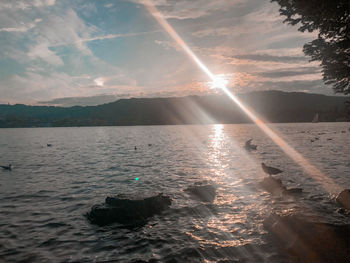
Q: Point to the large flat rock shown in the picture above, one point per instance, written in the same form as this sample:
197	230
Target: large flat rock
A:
204	193
307	241
128	211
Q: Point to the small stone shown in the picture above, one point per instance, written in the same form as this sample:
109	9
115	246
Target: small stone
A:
205	193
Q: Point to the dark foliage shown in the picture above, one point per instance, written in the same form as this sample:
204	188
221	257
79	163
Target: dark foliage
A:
331	19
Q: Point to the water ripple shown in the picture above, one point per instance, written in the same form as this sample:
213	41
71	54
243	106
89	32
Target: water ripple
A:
44	199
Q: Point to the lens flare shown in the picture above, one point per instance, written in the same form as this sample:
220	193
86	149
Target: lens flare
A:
100	81
219	82
327	183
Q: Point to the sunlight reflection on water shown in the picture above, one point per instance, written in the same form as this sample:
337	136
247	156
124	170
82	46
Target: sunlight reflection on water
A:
44	198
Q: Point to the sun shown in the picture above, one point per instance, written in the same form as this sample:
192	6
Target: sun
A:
100	81
219	82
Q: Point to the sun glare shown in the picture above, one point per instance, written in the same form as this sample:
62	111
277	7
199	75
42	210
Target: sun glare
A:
219	82
100	81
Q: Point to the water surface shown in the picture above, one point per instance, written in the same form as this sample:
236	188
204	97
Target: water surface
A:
44	199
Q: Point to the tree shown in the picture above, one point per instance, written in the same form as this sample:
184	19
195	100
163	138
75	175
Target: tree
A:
331	19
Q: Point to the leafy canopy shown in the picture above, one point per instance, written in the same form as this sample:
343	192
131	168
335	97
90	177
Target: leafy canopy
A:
331	19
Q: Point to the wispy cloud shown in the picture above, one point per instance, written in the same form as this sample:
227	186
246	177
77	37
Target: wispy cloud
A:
184	9
108	36
273	58
61	49
25	4
22	28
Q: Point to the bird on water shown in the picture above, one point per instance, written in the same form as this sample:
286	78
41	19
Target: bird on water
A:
270	170
248	146
8	167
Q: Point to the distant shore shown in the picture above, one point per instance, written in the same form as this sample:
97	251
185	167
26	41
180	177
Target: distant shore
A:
150	125
274	106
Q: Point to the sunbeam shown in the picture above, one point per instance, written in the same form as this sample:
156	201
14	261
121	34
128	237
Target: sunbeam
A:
328	184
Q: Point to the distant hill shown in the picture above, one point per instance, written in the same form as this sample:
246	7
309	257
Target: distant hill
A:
273	106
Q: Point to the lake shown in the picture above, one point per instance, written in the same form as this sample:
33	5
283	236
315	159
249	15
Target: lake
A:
44	199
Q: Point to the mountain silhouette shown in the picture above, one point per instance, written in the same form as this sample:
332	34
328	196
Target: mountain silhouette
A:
272	106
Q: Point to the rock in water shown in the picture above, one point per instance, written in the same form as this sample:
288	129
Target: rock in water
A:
272	185
205	193
292	191
344	199
307	241
127	211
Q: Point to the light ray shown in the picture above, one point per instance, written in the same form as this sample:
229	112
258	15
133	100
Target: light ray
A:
328	184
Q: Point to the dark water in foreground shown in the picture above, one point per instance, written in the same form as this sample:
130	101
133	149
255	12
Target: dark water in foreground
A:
44	199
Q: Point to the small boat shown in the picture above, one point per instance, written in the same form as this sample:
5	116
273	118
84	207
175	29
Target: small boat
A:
315	119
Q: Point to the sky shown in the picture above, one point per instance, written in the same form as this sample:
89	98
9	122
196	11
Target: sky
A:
89	52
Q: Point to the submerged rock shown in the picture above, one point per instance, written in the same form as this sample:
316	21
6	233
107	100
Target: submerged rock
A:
275	187
205	193
343	211
344	199
272	185
128	211
292	191
307	241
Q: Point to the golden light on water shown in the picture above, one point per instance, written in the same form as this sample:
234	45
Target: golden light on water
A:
216	142
218	133
219	82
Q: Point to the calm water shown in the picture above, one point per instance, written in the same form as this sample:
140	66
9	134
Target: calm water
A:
44	199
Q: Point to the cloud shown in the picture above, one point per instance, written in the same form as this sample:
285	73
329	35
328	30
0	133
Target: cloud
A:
222	31
100	81
126	92
22	28
298	85
33	86
46	86
168	44
111	36
25	4
42	34
84	101
291	72
42	51
193	9
63	30
109	5
60	49
272	58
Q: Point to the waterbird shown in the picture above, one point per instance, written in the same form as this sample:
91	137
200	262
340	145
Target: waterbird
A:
135	148
270	170
248	146
8	167
49	145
